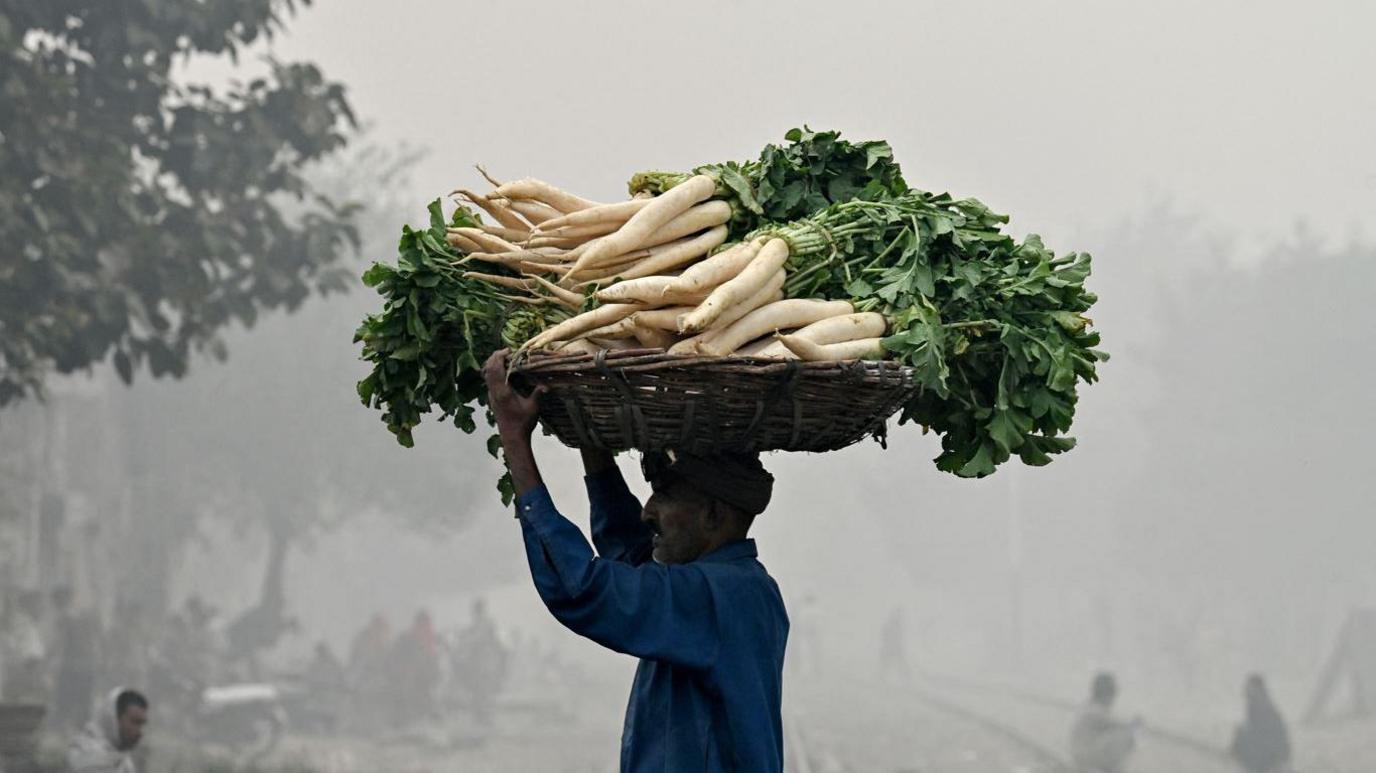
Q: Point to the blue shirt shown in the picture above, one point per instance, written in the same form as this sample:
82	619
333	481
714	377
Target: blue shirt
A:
710	634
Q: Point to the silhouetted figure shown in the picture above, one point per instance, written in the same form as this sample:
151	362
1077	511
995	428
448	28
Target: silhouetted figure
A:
414	664
367	670
116	727
480	663
77	654
1261	743
1100	743
325	673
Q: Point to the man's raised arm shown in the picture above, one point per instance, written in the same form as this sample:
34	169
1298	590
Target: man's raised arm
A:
617	531
650	611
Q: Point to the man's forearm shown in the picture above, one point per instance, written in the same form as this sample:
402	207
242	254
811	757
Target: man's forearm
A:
520	460
596	461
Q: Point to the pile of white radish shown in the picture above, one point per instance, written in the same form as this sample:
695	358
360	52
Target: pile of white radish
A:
661	272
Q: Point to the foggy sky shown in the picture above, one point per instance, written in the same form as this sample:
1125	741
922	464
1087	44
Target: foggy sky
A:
1078	118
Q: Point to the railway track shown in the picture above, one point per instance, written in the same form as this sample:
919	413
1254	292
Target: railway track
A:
941	723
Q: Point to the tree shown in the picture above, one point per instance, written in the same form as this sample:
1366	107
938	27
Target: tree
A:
141	216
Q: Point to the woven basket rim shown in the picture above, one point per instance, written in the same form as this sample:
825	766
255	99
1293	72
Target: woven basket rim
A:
544	362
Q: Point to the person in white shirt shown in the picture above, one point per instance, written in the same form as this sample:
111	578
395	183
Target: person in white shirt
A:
116	727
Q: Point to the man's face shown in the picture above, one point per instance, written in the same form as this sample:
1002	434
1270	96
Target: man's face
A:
131	724
677	514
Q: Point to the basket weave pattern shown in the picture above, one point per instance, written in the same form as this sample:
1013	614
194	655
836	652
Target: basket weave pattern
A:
649	400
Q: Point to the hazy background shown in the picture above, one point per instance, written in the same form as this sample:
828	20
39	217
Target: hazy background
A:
1216	518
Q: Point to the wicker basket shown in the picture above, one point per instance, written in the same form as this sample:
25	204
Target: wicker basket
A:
649	400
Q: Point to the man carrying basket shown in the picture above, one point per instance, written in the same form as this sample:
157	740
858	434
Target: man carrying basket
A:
675	583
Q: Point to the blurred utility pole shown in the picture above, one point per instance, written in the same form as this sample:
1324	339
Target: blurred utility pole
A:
1015	574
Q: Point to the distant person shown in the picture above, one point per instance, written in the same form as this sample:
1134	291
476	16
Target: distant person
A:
23	653
116	727
367	670
369	647
414	664
1261	743
479	663
325	673
327	688
77	654
1100	743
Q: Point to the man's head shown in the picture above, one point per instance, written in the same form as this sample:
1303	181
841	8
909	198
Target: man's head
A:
131	714
1104	689
702	502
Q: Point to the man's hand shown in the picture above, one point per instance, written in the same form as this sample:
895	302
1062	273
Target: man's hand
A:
516	415
516	419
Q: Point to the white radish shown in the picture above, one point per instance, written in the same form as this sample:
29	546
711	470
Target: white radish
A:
622	328
614	344
571	327
675	254
600	275
464	243
580	346
487	240
494	182
512	235
719	268
533	211
850	327
497	210
584	232
641	290
607	214
514	282
654	338
859	349
685	346
568	298
770	259
708	215
766	348
650	291
656	214
546	242
780	315
511	260
772	291
661	319
539	190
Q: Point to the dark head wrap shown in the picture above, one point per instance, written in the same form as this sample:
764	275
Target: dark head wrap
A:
738	479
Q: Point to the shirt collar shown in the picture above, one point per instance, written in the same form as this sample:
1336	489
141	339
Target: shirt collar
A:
731	551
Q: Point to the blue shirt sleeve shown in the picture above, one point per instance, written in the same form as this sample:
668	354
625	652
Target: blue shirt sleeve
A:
617	531
649	611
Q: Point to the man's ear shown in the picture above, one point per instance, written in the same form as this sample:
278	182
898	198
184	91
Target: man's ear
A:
716	515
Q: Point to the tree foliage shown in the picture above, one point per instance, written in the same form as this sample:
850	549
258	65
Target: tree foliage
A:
141	215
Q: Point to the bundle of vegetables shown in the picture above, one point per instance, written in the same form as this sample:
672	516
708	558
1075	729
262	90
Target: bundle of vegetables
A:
816	251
